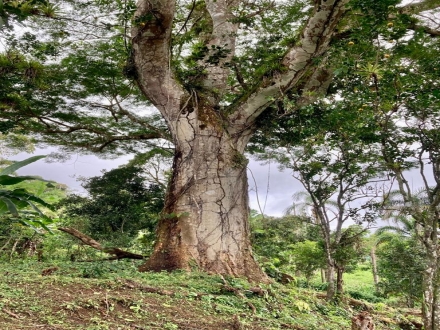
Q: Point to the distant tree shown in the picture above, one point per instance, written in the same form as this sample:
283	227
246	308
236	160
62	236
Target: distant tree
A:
401	262
273	237
348	253
307	257
335	159
416	145
118	205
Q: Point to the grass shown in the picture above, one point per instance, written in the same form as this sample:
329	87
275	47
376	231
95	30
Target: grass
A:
114	295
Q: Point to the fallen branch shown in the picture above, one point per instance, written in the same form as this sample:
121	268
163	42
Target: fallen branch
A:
133	285
118	253
10	313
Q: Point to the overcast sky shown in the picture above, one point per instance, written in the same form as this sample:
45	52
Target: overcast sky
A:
275	188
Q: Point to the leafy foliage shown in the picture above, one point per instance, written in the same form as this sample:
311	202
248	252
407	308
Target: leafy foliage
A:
351	248
401	262
119	204
17	204
274	241
308	257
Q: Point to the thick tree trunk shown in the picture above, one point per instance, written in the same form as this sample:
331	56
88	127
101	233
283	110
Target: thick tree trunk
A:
205	218
330	269
374	266
330	276
339	281
431	292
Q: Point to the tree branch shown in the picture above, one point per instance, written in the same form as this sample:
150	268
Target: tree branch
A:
118	253
221	47
151	40
313	43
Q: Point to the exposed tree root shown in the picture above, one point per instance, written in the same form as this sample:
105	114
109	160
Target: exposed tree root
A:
255	290
362	321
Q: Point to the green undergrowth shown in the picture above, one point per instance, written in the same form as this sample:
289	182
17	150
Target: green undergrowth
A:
114	295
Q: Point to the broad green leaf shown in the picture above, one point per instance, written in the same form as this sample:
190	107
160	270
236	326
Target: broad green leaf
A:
8	180
12	168
24	195
3	207
27	224
39	223
10	205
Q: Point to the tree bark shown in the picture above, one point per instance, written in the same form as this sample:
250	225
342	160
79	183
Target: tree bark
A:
339	281
374	266
431	292
207	204
330	276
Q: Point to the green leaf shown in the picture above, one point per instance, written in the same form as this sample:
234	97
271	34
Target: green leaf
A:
12	168
10	205
41	224
27	224
7	180
3	207
26	196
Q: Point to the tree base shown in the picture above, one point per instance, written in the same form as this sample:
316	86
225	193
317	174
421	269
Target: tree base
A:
168	261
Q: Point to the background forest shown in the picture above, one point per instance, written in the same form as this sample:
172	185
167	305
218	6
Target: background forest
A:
344	95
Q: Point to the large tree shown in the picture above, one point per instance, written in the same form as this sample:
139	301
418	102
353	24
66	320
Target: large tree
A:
206	207
211	68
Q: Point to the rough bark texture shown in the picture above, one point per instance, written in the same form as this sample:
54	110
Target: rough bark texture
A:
330	277
339	280
362	321
205	221
431	293
206	206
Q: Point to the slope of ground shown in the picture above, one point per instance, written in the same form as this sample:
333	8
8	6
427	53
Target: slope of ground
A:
105	295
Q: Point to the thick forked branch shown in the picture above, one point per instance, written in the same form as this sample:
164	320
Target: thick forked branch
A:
151	40
313	44
221	45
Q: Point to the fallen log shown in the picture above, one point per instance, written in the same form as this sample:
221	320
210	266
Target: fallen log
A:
87	240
